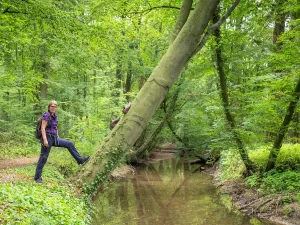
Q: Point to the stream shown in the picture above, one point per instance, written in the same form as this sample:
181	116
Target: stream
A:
167	192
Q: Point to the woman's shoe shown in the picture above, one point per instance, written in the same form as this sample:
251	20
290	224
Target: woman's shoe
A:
84	160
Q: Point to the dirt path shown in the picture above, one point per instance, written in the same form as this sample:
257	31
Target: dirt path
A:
13	163
5	164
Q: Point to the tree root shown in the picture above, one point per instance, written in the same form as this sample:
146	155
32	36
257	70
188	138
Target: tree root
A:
262	205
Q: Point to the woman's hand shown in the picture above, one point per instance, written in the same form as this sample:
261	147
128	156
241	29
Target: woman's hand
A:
46	143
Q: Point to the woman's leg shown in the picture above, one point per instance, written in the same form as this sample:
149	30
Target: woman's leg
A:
45	151
70	146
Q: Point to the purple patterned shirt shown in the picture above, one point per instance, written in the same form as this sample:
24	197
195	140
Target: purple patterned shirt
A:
51	128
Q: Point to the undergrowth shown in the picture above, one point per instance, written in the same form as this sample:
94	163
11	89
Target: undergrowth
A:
283	179
54	202
29	203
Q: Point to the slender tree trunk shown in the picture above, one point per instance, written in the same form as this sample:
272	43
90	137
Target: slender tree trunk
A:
142	82
225	99
279	25
94	85
45	67
128	81
171	128
116	92
283	129
154	91
85	81
118	77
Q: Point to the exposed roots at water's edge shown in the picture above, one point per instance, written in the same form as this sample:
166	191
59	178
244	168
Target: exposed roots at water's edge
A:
272	207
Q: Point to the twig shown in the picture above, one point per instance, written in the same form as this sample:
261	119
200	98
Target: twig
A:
154	7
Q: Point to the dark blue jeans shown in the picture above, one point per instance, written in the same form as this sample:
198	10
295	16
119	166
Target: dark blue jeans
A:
45	151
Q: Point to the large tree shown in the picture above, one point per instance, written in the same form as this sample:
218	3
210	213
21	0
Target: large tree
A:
188	42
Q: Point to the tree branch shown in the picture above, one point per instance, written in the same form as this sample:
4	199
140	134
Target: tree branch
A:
153	8
13	12
215	26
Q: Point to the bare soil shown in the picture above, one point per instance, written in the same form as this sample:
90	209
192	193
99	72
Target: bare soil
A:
13	163
5	164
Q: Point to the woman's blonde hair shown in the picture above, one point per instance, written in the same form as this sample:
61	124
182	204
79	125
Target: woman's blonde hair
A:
52	102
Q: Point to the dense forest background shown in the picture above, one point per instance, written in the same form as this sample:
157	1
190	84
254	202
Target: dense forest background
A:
94	56
234	104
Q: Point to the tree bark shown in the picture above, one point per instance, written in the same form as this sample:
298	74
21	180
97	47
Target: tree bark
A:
225	99
150	142
128	130
182	17
283	129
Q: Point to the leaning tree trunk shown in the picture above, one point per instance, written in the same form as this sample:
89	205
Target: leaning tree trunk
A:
154	91
146	147
225	99
283	129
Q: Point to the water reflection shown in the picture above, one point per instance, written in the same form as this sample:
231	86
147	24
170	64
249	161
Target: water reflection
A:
169	192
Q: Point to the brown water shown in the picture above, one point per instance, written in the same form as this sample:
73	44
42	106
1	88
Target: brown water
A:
168	192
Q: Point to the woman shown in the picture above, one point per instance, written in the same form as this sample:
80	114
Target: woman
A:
50	138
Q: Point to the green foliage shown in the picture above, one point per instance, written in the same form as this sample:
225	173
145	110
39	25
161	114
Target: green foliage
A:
15	149
28	203
280	180
287	210
298	198
260	156
288	158
254	180
285	182
77	49
231	165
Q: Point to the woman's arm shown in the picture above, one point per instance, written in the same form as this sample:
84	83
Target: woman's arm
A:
43	130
